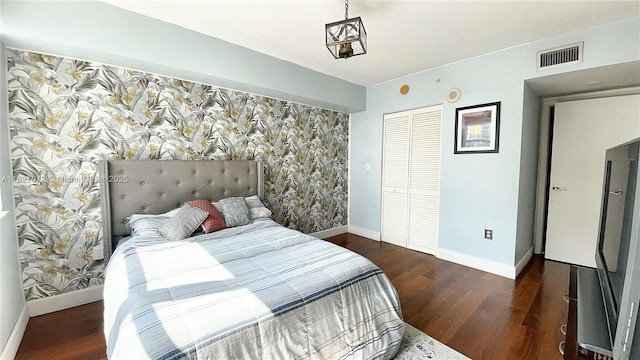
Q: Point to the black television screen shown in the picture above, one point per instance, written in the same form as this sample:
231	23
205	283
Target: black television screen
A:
621	171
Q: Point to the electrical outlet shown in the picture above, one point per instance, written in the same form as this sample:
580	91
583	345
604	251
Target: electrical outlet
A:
367	167
488	234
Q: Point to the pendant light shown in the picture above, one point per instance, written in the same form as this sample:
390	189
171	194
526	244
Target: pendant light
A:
346	38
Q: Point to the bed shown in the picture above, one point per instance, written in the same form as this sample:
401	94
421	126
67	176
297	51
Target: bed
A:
254	291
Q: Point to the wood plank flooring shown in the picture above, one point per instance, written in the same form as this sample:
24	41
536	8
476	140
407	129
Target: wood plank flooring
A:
481	315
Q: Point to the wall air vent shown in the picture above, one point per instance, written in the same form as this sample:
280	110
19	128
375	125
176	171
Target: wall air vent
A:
560	56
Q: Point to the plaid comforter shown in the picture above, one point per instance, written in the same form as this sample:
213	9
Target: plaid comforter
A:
261	291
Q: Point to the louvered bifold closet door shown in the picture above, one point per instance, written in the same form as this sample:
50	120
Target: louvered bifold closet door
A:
424	179
395	165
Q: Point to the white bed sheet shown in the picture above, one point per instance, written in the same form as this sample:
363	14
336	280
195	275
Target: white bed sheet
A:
259	291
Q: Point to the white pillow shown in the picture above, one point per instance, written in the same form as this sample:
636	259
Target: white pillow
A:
148	224
256	207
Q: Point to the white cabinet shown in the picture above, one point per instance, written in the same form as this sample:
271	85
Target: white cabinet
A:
411	178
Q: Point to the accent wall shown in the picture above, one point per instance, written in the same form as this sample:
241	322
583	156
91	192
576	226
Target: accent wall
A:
66	114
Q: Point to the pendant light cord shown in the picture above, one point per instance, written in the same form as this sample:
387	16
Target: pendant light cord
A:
346	9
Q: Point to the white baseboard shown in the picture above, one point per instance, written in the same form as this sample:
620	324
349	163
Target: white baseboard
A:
330	232
524	261
13	342
477	263
422	249
364	233
65	301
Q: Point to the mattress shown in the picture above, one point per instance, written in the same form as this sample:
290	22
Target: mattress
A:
259	291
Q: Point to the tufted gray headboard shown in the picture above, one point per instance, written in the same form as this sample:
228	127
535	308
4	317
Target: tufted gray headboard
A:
157	186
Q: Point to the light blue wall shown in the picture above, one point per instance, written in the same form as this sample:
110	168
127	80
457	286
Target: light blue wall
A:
528	172
101	32
479	190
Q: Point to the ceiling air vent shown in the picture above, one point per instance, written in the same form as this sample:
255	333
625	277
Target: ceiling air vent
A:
560	56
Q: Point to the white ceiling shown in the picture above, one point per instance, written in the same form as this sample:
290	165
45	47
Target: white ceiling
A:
404	37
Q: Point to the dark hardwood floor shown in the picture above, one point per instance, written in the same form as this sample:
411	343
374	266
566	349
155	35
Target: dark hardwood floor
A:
481	315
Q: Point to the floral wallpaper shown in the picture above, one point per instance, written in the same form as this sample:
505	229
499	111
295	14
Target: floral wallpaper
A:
65	114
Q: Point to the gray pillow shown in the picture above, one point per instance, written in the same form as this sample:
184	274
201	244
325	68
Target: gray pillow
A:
184	223
235	211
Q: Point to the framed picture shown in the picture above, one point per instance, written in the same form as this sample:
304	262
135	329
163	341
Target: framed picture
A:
477	129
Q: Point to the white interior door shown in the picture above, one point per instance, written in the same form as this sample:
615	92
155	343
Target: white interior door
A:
583	130
424	179
395	165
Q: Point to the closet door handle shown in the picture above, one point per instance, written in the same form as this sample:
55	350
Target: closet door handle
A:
561	347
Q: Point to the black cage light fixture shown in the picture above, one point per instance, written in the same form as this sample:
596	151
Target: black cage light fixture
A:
346	38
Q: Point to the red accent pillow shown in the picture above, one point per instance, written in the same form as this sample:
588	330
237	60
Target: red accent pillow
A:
215	220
